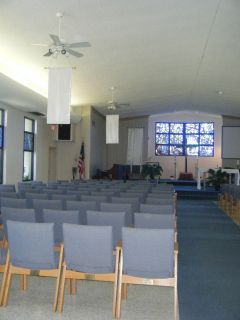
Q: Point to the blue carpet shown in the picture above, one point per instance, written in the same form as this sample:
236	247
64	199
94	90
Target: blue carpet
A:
209	263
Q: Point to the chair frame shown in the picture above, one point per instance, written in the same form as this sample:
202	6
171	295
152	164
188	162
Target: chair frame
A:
10	270
125	279
69	275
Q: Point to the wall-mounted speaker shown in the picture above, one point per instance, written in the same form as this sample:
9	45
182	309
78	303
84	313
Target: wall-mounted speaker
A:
64	132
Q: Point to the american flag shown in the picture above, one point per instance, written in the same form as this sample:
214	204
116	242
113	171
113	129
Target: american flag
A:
81	166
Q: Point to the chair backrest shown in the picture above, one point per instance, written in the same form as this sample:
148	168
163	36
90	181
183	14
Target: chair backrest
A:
154	221
14	203
82	207
115	219
7	188
58	217
40	204
31	245
4	194
33	195
88	248
141	196
133	200
16	214
159	201
98	199
148	253
157	208
119	207
160	195
64	198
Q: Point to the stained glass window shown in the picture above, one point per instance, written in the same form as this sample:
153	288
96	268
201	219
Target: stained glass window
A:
184	139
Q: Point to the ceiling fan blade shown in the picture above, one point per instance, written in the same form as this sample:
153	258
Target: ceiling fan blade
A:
75	53
48	54
79	45
123	104
55	39
40	44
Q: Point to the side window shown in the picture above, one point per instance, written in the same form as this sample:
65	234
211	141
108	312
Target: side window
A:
28	149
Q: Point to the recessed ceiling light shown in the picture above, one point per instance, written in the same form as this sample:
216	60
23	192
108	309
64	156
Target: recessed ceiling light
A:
220	92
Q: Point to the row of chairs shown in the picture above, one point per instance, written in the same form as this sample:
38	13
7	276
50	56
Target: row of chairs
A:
93	217
128	204
147	256
229	201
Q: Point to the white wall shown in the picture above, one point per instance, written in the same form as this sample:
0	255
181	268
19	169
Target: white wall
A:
168	162
231	121
117	153
68	151
98	142
13	146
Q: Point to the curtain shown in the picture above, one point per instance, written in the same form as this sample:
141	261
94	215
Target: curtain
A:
112	129
59	95
135	146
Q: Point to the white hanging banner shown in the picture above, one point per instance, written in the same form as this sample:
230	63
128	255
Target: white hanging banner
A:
135	146
112	128
59	95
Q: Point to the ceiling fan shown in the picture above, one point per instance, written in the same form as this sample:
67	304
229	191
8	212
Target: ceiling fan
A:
60	46
113	104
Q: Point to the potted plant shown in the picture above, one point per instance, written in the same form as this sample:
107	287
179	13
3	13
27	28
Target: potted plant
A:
216	178
151	170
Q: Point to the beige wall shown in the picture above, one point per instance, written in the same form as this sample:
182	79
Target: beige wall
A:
230	121
13	146
98	142
168	162
117	153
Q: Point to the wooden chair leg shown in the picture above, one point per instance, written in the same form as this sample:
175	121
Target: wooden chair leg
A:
23	282
176	311
56	296
114	307
74	287
119	293
125	291
62	289
69	281
7	287
4	279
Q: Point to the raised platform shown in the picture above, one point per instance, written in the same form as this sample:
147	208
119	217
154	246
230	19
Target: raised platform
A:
187	189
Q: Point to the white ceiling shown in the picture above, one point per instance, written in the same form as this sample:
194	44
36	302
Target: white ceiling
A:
162	55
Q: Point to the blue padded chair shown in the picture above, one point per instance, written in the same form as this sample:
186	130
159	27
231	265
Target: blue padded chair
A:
32	195
58	217
7	188
153	200
115	219
4	194
89	256
98	199
31	251
156	208
154	221
14	203
16	214
64	198
82	207
148	257
40	204
133	200
119	207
